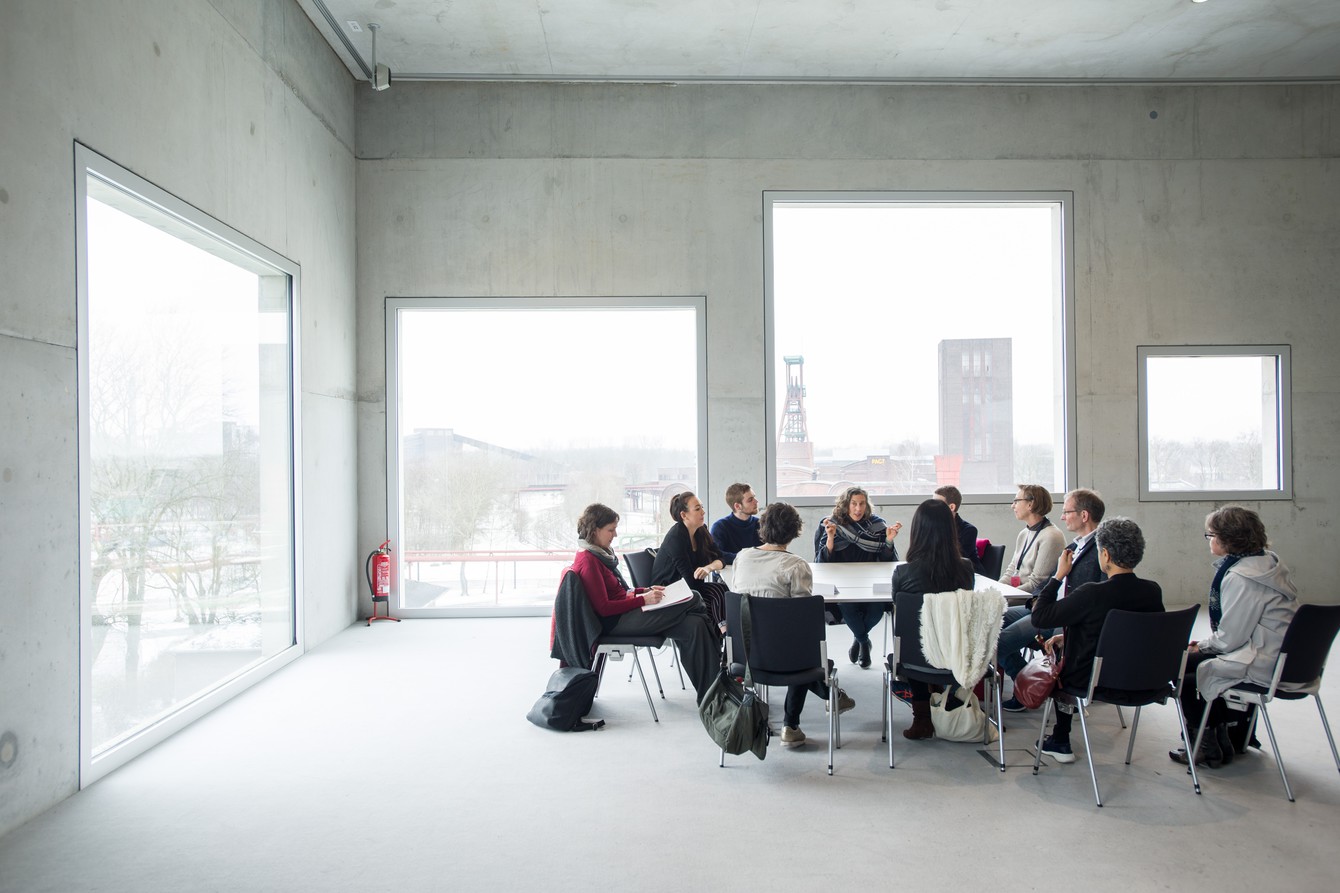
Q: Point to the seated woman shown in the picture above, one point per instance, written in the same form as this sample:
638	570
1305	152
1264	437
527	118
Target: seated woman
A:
620	608
1038	545
851	533
769	571
1121	545
933	565
1252	602
687	553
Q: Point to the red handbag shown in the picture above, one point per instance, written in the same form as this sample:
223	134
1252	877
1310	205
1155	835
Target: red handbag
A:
1037	680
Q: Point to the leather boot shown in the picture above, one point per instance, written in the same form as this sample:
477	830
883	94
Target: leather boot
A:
921	727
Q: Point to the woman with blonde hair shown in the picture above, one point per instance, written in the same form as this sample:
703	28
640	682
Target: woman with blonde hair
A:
1038	545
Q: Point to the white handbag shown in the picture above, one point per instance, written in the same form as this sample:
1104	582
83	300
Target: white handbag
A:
966	722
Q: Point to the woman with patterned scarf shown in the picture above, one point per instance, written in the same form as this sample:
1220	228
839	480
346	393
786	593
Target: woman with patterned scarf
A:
1252	602
852	533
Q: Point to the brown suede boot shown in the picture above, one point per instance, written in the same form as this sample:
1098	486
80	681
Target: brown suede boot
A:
921	727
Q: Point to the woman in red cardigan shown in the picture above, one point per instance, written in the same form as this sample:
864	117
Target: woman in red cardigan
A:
621	609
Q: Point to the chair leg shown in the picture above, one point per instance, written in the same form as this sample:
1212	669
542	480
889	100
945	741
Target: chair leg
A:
1135	726
1121	718
600	672
997	691
637	665
1181	721
1327	726
678	663
651	656
888	712
1088	753
1042	730
1274	746
887	708
832	720
722	763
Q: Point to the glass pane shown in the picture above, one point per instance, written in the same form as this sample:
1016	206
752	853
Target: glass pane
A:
511	421
190	484
918	345
1213	423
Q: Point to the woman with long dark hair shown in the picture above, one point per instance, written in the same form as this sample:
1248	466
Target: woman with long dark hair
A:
688	553
933	565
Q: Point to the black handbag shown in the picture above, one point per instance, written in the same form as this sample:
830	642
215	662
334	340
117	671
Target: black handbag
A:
732	714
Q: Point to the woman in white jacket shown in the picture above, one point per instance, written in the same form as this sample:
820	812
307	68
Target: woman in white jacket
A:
1252	602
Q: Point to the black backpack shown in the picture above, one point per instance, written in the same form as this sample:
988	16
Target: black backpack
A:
571	693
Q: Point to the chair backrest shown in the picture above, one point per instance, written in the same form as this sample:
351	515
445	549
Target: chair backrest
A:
993	559
639	566
785	634
1142	650
1307	642
907	629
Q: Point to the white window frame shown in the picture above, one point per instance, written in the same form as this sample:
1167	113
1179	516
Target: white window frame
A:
1066	272
195	226
394	482
1284	420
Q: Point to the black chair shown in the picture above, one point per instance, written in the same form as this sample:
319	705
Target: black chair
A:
639	566
993	560
908	662
615	647
1140	660
786	647
639	572
1300	665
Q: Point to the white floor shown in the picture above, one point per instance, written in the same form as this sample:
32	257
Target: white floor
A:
397	757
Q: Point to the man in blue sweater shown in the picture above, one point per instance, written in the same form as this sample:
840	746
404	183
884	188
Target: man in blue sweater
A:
738	530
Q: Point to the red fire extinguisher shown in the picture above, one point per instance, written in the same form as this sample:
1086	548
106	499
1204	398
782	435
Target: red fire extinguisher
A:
378	571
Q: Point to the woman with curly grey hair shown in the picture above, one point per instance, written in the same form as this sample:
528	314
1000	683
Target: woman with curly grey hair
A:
1121	546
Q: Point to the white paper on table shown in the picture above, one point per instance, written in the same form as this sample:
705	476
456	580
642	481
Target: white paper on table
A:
885	588
824	589
675	593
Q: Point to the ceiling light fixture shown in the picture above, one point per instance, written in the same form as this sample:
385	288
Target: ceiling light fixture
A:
381	75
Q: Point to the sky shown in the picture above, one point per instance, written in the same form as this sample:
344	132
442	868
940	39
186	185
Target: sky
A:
635	381
866	294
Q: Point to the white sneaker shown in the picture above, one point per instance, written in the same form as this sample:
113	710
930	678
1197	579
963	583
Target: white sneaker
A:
792	737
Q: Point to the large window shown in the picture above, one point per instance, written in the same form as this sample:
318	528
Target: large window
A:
186	456
507	417
1214	422
916	340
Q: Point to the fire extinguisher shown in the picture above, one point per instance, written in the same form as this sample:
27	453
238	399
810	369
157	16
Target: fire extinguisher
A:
378	571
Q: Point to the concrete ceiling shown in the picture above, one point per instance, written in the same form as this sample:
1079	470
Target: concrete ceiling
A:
838	40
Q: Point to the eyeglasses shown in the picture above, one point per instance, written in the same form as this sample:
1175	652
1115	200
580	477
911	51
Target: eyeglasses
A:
1065	512
1209	536
1021	499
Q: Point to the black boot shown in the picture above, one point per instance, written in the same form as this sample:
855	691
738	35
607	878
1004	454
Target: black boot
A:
865	654
1225	745
854	652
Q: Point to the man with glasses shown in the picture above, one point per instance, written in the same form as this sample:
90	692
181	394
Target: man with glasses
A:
1081	514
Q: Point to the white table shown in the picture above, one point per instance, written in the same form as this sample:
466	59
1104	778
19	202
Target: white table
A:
871	581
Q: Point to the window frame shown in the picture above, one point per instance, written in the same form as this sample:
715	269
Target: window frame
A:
394	482
192	225
1283	419
1066	276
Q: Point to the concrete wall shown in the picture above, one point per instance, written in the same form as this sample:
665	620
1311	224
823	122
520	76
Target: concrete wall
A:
241	109
1202	214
